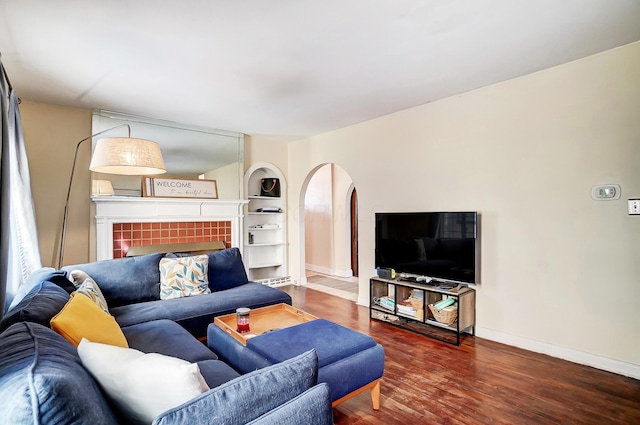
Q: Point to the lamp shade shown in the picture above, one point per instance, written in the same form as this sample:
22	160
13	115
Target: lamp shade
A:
127	156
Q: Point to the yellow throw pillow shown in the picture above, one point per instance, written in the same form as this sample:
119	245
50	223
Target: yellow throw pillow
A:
82	318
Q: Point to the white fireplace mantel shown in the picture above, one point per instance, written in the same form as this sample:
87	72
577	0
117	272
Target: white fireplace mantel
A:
125	209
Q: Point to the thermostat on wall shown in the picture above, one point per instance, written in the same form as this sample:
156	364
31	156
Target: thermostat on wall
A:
606	192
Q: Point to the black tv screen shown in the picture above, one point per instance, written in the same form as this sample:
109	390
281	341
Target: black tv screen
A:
440	245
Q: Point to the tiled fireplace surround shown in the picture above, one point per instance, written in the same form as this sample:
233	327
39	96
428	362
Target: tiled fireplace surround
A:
122	222
126	235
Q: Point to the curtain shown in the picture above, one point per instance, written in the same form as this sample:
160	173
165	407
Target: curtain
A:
19	251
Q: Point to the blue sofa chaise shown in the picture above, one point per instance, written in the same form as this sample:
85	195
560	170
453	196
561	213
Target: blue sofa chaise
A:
43	380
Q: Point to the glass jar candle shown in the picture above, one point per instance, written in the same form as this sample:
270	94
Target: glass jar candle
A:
242	316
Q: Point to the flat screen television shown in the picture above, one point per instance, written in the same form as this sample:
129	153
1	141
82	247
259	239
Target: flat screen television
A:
440	245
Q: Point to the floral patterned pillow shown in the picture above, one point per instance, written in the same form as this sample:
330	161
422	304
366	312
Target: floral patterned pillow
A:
184	277
89	288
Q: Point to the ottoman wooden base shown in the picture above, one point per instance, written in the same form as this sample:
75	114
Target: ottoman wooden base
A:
375	394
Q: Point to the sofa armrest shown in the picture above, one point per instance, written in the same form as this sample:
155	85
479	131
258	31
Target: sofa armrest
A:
247	397
313	407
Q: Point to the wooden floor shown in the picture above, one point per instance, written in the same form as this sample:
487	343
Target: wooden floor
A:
481	382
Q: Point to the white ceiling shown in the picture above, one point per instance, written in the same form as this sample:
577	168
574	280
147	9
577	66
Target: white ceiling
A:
291	68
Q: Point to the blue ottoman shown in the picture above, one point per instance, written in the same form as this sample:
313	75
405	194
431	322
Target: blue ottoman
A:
349	361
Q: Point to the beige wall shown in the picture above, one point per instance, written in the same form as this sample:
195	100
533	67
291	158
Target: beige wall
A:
560	271
51	133
265	149
227	180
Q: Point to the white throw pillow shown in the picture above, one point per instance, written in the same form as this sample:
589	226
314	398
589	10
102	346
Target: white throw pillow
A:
142	385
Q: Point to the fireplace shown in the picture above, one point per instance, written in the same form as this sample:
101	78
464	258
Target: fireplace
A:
124	222
128	235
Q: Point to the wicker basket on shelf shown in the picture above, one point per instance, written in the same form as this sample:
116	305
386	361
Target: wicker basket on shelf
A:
418	306
446	315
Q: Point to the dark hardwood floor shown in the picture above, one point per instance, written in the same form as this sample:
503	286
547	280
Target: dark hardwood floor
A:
480	382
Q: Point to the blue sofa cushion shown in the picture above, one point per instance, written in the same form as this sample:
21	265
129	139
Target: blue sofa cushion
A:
196	313
125	280
226	269
39	305
311	407
332	342
42	381
131	280
45	273
216	372
168	338
248	397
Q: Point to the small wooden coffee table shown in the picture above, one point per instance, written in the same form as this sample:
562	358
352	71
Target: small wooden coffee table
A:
262	320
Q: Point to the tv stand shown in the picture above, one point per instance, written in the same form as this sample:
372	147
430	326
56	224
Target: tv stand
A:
396	301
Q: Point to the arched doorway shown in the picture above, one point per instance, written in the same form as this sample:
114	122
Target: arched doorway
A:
330	229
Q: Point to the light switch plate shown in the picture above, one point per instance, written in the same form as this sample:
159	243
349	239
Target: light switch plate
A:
634	206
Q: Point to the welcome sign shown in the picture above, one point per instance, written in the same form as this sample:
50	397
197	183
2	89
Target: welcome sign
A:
179	188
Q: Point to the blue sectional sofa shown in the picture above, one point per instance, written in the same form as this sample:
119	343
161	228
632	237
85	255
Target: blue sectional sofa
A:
43	379
132	289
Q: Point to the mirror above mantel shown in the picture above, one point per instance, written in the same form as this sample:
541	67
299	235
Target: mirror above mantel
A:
189	152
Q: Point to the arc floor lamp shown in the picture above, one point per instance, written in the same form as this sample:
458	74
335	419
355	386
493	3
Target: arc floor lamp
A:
116	155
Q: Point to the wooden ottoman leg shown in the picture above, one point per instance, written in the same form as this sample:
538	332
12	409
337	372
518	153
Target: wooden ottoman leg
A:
375	395
374	386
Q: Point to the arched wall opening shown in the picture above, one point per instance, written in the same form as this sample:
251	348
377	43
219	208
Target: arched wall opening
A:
329	230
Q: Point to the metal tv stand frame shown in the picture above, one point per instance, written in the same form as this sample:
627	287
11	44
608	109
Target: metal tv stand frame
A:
423	321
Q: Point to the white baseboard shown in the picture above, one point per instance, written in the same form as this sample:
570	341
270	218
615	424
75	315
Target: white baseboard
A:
575	356
328	271
620	367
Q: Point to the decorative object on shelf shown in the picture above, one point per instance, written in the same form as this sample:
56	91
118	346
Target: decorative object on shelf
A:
406	310
179	188
417	302
444	303
266	226
270	186
386	302
115	155
446	315
269	210
102	188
